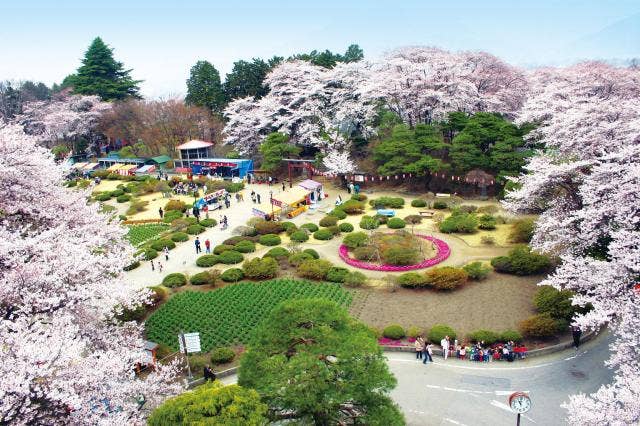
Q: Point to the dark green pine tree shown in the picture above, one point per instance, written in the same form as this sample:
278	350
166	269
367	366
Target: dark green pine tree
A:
100	74
204	87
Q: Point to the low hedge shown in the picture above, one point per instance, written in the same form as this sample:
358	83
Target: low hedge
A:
160	244
203	278
477	271
338	213
327	221
245	247
439	331
207	260
365	253
299	236
394	331
277	253
390	202
368	222
418	203
150	253
270	240
440	205
260	269
174	280
232	275
486	336
396	223
521	261
487	222
412	280
179	237
268	227
355	279
337	274
312	253
414	331
352	207
172	215
446	278
465	223
510	335
231	257
132	266
221	248
323	234
345	227
103	197
311	227
209	223
222	355
195	229
296	259
123	198
540	326
315	269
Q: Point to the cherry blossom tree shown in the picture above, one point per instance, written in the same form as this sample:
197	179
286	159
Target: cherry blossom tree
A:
585	185
64	359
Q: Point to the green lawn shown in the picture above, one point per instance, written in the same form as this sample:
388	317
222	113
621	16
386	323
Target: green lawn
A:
227	316
138	234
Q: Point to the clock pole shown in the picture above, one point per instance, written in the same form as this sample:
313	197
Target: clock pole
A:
518	420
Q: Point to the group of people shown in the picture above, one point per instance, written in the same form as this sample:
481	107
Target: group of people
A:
255	197
353	189
477	352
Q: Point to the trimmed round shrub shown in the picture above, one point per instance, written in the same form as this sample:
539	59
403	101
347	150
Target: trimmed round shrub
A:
355	279
207	260
117	192
487	222
345	227
150	253
323	234
521	261
209	223
219	249
123	198
260	269
327	221
539	326
461	222
132	266
400	256
446	278
396	223
357	239
231	257
556	303
510	335
297	258
394	331
311	227
175	205
174	280
172	215
195	229
418	203
222	355
439	331
245	231
299	236
486	336
359	197
179	237
414	331
365	253
232	275
312	253
315	269
288	225
203	278
291	230
245	247
336	274
233	240
382	220
269	227
105	196
352	207
277	253
412	280
477	271
440	205
335	230
337	213
160	244
270	240
368	222
413	219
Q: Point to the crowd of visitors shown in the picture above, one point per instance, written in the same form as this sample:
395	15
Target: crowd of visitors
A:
479	352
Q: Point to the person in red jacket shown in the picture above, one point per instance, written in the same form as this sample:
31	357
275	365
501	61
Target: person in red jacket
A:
207	246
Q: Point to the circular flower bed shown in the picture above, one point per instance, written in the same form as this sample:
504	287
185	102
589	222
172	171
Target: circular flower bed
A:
442	252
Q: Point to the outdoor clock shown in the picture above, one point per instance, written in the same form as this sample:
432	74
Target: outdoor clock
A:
520	402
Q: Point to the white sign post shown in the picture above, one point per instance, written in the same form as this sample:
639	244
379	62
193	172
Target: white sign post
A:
189	343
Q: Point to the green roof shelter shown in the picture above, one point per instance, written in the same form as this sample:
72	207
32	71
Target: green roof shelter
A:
160	160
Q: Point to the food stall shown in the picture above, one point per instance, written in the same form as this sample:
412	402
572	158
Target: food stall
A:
213	200
293	201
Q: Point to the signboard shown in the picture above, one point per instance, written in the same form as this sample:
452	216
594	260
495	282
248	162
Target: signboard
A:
259	213
213	164
358	178
276	202
192	341
216	194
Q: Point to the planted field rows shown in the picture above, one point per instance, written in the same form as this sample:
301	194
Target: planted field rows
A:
139	234
228	316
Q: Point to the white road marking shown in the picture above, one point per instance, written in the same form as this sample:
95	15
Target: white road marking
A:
446	419
454	365
505	407
575	356
496	392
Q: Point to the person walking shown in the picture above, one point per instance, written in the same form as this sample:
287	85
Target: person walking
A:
253	196
159	266
283	187
153	267
427	352
349	188
208	374
161	212
419	345
207	246
197	244
445	347
576	332
258	197
165	250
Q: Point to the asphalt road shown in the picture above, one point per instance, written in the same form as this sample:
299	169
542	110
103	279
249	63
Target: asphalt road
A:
473	394
465	393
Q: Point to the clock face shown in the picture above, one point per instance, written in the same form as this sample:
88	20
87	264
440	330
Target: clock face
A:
521	403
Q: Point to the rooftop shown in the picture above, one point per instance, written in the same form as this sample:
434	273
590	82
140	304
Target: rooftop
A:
194	144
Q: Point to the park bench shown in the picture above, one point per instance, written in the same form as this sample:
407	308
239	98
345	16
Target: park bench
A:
386	212
426	213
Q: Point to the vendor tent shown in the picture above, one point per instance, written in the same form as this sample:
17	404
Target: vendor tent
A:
127	169
90	166
78	166
149	168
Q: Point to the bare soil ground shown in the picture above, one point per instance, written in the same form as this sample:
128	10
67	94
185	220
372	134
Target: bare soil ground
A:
498	303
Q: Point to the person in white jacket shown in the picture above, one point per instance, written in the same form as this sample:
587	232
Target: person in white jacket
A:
445	347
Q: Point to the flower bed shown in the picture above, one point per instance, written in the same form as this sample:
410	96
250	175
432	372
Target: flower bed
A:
384	341
442	252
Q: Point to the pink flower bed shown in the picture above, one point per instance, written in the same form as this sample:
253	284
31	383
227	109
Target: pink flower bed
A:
442	252
385	341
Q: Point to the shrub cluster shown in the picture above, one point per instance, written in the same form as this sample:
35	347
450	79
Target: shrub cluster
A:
207	260
299	236
323	234
356	239
195	229
209	223
521	261
477	271
327	221
459	222
418	203
446	278
230	257
221	248
175	205
311	227
439	331
394	331
396	223
160	244
368	222
413	219
440	205
351	207
367	253
311	252
245	247
204	278
179	237
232	275
390	202
172	215
267	227
337	274
355	279
316	269
487	222
540	326
222	355
296	259
338	213
522	231
260	269
490	337
270	240
174	280
277	253
345	227
359	197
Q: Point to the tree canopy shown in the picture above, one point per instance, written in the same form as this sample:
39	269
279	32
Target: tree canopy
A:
246	78
312	362
274	148
100	74
204	88
212	404
328	59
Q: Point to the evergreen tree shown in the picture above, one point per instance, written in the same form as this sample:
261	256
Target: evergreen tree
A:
246	78
354	53
100	74
204	87
274	148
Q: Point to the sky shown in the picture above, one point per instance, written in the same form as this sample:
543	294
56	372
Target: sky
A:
44	40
